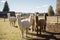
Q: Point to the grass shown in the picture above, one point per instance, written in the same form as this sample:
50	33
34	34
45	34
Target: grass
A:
8	32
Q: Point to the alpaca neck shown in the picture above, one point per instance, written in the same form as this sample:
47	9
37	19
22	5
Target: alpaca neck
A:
30	20
19	21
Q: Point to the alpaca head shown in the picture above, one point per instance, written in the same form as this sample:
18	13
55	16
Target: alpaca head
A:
19	16
19	19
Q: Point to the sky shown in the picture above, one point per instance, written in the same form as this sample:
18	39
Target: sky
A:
29	6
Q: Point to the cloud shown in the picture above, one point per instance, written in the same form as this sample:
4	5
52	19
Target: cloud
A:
45	5
42	8
2	1
38	7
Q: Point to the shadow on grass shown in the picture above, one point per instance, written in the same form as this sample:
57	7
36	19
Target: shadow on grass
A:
53	33
16	26
47	37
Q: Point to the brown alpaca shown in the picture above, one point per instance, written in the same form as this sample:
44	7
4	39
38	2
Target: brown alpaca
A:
39	23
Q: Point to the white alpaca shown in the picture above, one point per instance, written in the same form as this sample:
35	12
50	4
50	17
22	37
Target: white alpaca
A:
24	24
12	19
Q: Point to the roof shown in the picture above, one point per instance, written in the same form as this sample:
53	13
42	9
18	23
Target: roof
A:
6	12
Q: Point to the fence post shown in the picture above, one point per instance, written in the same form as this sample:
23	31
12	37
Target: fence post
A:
4	18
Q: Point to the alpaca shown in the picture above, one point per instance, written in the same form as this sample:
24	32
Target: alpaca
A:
39	23
12	19
24	24
42	25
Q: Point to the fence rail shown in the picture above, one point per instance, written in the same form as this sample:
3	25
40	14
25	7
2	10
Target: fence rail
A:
51	19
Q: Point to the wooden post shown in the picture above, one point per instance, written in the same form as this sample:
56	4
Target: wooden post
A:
4	18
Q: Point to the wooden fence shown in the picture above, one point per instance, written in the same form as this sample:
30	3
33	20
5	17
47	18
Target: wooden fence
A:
51	19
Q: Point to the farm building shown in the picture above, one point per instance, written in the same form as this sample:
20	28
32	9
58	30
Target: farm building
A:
4	14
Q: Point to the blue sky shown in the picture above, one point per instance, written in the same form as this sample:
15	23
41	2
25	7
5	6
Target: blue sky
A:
29	5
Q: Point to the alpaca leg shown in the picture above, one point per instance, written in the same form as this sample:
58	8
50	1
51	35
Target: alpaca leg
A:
26	32
22	33
10	23
35	28
44	27
14	24
40	29
32	27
